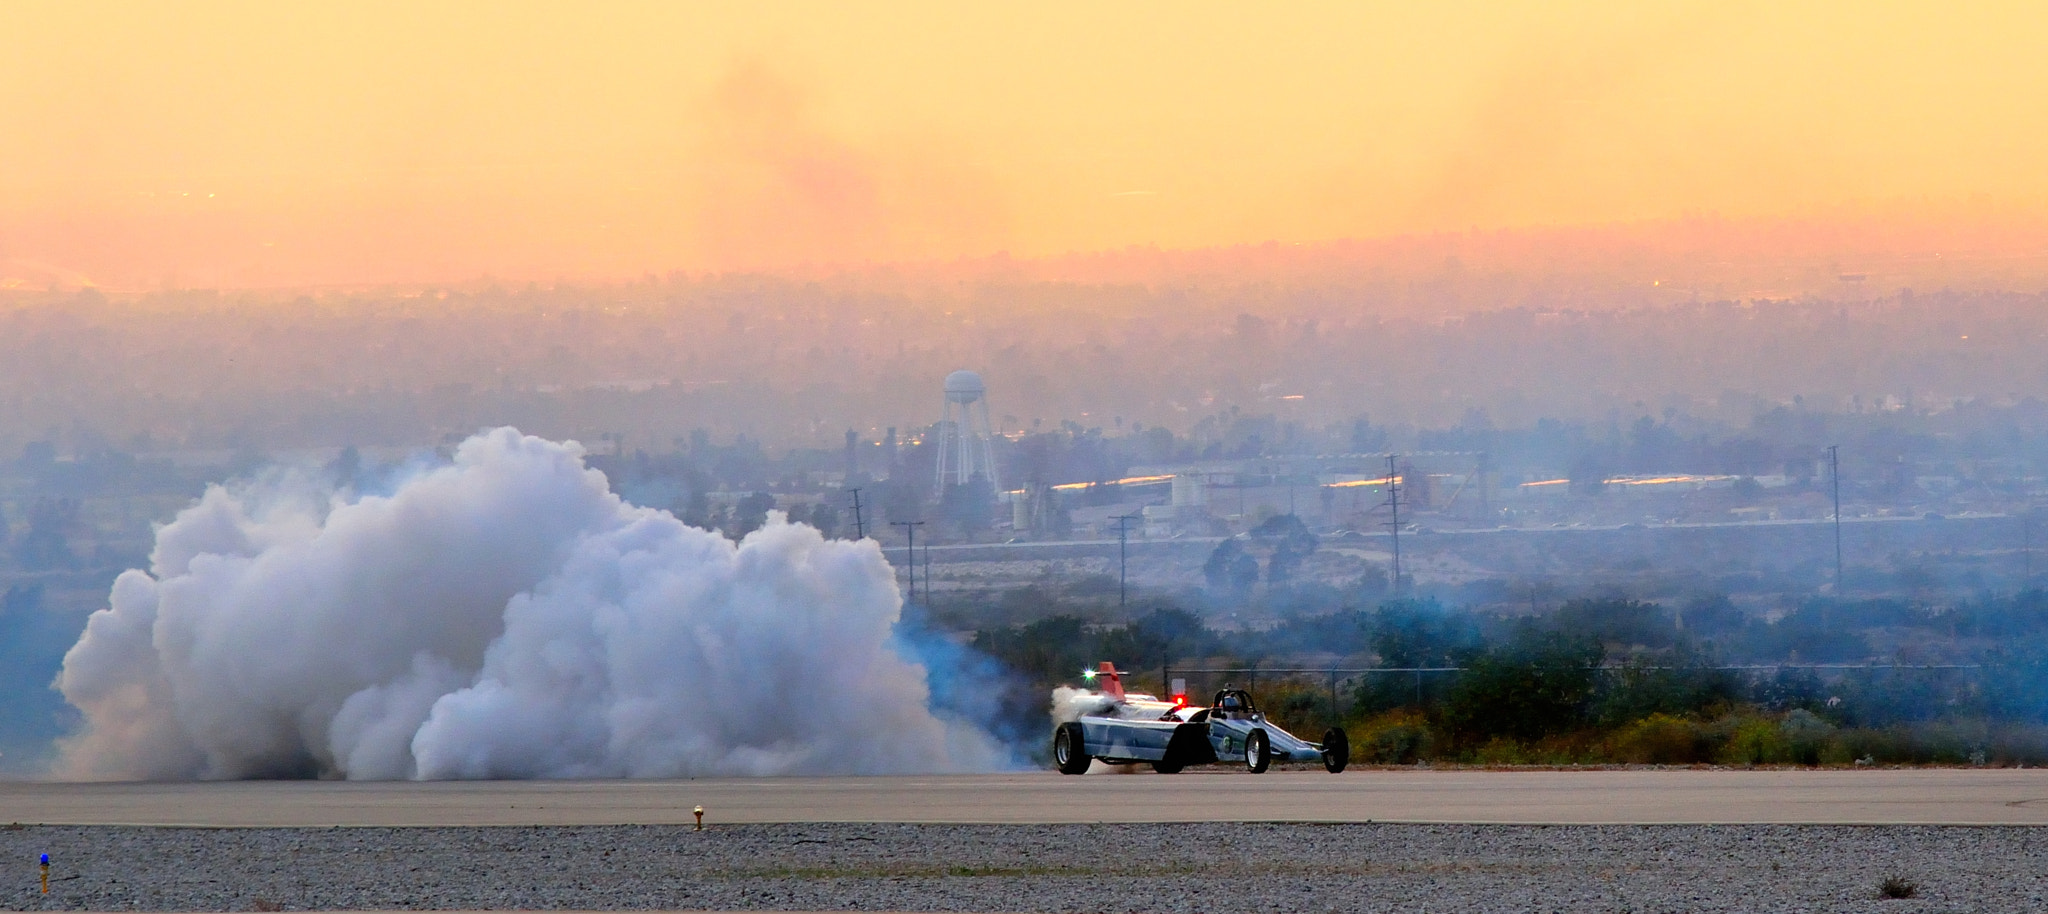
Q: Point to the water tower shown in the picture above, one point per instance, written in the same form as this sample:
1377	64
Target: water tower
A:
965	436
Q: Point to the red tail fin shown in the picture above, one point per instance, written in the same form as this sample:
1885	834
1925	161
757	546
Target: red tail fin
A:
1109	681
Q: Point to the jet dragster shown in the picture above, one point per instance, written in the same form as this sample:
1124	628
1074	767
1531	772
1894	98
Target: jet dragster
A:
1126	728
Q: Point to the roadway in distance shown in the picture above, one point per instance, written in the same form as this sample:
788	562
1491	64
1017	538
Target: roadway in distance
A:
1833	796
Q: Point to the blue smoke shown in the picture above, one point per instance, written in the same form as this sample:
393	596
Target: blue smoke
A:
965	683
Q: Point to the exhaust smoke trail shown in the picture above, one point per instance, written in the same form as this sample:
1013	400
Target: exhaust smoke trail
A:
1070	704
502	616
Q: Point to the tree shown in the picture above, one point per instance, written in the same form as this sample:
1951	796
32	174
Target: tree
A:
1157	637
1709	614
1683	683
1291	544
901	501
1422	633
1230	567
47	543
1216	570
971	507
1049	650
1365	438
1538	684
694	510
751	512
797	514
1414	634
825	517
1244	573
1618	622
1372	585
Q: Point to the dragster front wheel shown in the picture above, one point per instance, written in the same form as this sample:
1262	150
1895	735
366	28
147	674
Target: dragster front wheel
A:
1257	753
1336	750
1069	749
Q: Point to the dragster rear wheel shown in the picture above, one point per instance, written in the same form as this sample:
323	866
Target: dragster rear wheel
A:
1336	750
1189	745
1257	752
1069	749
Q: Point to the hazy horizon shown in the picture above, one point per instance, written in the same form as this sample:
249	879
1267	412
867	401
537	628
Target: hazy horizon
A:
239	145
461	389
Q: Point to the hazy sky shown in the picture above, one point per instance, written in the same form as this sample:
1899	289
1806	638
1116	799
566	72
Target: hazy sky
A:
284	143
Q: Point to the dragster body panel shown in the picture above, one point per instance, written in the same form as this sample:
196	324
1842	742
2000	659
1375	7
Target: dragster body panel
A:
1119	740
1227	738
1135	740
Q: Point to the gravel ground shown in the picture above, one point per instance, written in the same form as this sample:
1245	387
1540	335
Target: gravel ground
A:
1026	868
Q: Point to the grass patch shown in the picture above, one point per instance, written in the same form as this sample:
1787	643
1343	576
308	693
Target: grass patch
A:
1897	887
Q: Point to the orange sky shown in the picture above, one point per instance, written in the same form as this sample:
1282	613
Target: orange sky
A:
265	144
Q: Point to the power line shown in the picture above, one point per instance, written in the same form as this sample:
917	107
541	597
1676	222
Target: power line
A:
1835	482
1394	505
910	551
1122	521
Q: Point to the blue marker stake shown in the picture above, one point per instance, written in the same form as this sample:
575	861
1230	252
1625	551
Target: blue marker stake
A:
46	874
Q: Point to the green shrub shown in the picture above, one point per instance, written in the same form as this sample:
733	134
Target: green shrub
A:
1536	685
1660	739
1806	735
1501	750
1754	741
1395	738
1565	749
1619	622
1298	706
1897	887
2019	744
1939	743
1678	685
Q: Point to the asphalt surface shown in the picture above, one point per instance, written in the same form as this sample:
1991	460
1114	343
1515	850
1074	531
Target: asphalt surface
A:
1253	868
1779	797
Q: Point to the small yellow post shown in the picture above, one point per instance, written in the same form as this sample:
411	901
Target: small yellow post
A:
46	874
700	818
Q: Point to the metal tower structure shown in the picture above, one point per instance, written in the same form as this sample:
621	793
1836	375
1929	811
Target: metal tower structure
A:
966	438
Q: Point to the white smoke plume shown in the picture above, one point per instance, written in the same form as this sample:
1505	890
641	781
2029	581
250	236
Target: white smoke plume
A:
1069	704
501	616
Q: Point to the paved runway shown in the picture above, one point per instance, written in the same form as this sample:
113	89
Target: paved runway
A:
1906	796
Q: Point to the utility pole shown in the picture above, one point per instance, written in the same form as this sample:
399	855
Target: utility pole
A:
910	551
1394	505
860	530
1122	521
927	570
1835	482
